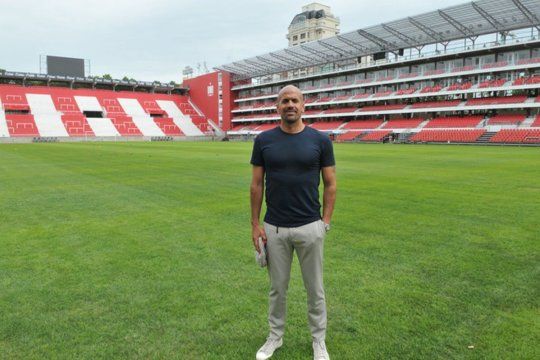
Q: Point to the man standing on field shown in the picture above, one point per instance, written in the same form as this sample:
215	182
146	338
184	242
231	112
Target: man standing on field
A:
292	157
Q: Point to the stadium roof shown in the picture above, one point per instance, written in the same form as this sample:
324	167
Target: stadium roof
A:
468	20
29	77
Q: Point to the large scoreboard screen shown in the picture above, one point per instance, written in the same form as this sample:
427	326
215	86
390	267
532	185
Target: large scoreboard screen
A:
58	65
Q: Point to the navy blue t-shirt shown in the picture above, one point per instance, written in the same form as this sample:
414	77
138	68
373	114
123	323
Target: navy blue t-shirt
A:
292	164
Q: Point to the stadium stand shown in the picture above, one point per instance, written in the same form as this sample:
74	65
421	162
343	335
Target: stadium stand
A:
340	110
431	89
506	119
408	91
495	65
48	120
362	124
323	125
382	94
21	125
383	107
403	123
265	127
360	96
432	104
13	98
124	125
349	135
454	122
445	78
492	83
76	125
531	80
458	136
529	61
517	136
497	100
375	136
463	68
459	86
536	122
168	126
341	98
456	84
62	112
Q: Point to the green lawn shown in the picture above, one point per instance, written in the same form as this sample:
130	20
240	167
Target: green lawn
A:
142	251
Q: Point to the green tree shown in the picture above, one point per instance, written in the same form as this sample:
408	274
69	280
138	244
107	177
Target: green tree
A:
107	77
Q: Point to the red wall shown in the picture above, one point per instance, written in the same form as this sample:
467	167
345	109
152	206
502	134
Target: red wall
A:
203	91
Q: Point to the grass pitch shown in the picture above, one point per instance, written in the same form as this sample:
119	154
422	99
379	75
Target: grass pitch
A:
142	250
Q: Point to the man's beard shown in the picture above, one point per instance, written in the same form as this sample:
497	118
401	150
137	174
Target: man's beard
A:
291	120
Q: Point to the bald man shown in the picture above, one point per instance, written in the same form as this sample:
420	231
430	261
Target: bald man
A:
292	158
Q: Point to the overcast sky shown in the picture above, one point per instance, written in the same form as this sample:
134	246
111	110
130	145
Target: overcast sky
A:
155	39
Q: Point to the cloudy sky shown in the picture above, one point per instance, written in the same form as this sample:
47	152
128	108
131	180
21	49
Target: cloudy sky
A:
155	39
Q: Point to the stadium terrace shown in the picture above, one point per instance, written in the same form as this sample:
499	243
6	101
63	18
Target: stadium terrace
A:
464	74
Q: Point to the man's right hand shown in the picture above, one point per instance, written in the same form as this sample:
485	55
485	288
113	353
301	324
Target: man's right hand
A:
257	232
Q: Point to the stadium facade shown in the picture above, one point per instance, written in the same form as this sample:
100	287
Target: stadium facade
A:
465	74
468	73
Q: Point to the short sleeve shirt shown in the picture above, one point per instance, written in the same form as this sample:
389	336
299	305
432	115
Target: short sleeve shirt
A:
292	164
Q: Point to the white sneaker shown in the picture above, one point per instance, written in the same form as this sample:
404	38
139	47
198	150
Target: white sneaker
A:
267	350
319	351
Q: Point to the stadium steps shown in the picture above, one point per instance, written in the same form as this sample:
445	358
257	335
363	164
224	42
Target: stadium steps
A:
423	123
340	127
482	124
182	121
217	130
4	131
102	127
140	118
99	126
527	122
88	103
48	120
486	137
404	137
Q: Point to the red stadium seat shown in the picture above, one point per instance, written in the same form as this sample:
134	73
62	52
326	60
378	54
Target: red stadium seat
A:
76	124
21	125
375	135
507	119
349	135
454	122
403	123
536	122
363	124
516	99
383	107
434	104
457	136
517	136
326	125
340	110
168	126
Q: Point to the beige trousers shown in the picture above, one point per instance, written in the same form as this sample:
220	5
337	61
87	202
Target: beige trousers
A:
308	241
